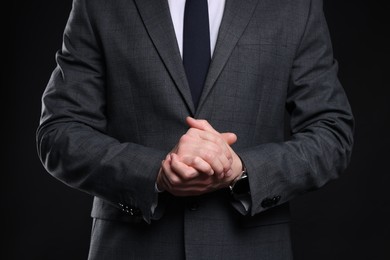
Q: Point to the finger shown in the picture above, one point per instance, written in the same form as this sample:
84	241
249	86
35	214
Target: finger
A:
166	184
229	138
199	164
162	176
209	136
194	141
200	124
219	163
170	175
216	139
165	163
195	186
219	158
209	147
184	171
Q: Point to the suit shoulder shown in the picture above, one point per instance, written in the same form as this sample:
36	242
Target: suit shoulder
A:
105	11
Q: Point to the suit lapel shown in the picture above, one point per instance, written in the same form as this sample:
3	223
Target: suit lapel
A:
235	19
158	23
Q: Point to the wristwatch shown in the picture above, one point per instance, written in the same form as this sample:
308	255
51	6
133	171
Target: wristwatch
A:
240	186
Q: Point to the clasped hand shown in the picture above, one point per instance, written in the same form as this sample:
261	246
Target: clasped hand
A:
201	162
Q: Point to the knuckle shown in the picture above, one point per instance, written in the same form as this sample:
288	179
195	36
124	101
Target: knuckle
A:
218	149
191	131
184	138
217	167
229	155
196	161
221	143
212	137
209	156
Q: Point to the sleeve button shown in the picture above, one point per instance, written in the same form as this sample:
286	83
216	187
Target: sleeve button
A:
276	199
266	203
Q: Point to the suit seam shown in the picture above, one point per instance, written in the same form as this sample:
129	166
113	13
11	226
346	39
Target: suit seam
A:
304	29
92	28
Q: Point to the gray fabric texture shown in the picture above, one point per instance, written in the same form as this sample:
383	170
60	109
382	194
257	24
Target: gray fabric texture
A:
116	104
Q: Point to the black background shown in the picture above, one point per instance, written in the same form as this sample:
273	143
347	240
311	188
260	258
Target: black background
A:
44	219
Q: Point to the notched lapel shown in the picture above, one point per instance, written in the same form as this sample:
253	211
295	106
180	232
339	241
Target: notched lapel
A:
157	20
236	17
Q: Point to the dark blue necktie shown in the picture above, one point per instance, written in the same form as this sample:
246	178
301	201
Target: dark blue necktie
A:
196	45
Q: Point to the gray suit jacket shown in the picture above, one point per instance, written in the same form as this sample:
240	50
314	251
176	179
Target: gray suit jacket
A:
116	105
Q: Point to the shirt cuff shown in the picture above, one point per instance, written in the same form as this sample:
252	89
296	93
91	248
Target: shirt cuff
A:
243	204
155	202
156	189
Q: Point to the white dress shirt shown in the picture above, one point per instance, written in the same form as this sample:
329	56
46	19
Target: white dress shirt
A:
216	8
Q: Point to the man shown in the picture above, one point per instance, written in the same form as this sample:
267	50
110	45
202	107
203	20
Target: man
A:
187	158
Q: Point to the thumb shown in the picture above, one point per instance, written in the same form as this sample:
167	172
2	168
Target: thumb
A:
200	124
229	138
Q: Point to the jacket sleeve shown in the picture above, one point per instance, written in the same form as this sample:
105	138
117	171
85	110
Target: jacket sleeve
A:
71	138
321	123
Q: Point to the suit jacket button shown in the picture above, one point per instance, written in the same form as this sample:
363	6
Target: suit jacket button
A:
266	203
134	212
276	199
194	206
